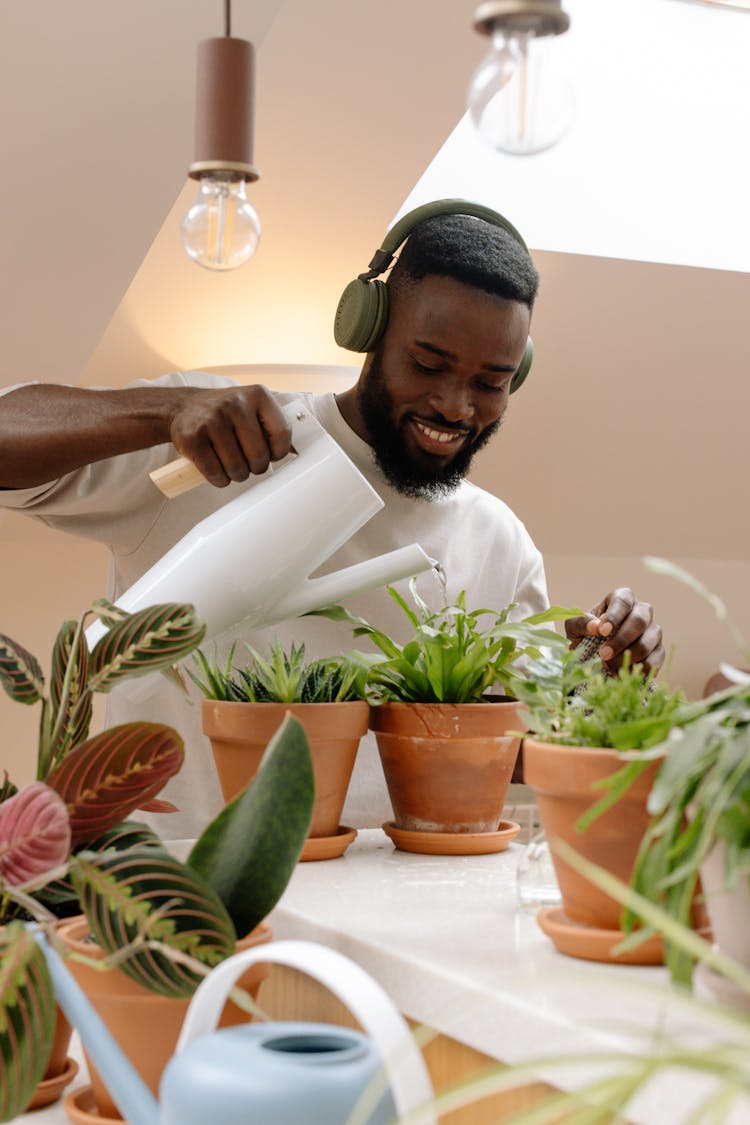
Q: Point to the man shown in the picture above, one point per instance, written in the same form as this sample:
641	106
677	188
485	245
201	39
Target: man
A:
431	393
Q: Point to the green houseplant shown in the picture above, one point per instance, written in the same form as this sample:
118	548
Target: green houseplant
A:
700	809
92	784
244	704
101	779
585	758
164	922
446	748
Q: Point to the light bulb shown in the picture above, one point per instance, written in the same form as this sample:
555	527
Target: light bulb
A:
220	230
517	101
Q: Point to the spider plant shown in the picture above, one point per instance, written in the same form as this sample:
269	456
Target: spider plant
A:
282	678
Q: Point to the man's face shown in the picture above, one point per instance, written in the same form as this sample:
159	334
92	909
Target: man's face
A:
436	388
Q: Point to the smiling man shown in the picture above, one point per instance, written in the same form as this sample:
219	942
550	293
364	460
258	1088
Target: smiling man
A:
432	391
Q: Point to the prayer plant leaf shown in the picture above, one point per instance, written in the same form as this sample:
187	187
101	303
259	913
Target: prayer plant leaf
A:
151	640
103	781
27	1018
145	893
67	688
20	673
34	834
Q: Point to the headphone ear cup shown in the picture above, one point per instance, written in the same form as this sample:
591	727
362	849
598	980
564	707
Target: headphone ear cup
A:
524	366
361	316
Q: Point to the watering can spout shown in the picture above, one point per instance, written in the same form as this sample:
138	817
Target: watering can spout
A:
316	593
133	1097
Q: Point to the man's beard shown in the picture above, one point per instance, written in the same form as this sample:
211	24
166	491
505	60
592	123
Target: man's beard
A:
410	477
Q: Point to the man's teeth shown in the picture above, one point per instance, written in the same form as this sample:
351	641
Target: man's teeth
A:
438	435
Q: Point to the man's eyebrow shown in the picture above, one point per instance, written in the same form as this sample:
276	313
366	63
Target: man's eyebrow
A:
501	368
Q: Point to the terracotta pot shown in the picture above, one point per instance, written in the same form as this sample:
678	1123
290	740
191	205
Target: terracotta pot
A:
240	732
61	1070
562	779
145	1025
447	766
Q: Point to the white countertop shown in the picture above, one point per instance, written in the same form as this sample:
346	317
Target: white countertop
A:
444	937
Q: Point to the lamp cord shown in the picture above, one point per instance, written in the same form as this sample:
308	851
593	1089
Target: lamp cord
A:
227	18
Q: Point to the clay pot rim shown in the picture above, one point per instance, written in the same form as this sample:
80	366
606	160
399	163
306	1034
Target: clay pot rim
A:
480	705
222	703
583	751
78	925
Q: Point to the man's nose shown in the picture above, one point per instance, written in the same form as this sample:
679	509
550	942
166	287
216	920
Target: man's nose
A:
452	399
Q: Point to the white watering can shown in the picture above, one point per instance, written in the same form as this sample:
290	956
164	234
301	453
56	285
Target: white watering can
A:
249	562
268	1073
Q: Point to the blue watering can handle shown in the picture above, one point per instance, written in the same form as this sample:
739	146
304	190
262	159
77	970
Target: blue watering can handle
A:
368	1002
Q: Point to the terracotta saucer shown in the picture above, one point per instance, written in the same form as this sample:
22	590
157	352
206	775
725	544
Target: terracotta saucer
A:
50	1089
591	944
81	1108
328	847
453	843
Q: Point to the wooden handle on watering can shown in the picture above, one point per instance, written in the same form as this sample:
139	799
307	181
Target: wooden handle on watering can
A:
177	477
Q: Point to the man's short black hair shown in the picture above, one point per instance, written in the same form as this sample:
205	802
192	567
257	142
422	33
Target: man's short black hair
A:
470	250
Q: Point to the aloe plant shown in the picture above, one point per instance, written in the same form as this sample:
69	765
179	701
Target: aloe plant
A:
454	655
284	677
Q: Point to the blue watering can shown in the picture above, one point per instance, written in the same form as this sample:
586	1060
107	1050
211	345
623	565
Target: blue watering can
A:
277	1073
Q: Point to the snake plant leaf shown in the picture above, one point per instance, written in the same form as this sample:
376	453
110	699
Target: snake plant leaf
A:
20	673
145	892
27	1018
151	640
103	781
67	688
34	834
248	852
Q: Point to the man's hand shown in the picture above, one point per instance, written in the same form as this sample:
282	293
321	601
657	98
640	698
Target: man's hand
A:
626	624
231	432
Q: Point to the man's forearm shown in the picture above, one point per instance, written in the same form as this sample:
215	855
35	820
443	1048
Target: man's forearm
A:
48	430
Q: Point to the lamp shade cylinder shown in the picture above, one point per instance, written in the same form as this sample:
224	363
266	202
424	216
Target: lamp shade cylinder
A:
224	108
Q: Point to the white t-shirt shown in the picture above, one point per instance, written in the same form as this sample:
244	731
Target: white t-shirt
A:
483	548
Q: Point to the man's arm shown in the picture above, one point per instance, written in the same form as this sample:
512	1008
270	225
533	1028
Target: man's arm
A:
49	430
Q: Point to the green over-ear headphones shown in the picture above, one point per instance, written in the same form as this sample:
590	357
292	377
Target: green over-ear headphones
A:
362	312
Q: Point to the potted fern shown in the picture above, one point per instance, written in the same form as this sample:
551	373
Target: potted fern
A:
244	704
164	923
447	746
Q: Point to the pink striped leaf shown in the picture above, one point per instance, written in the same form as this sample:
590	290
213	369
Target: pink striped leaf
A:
35	834
27	1018
118	771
